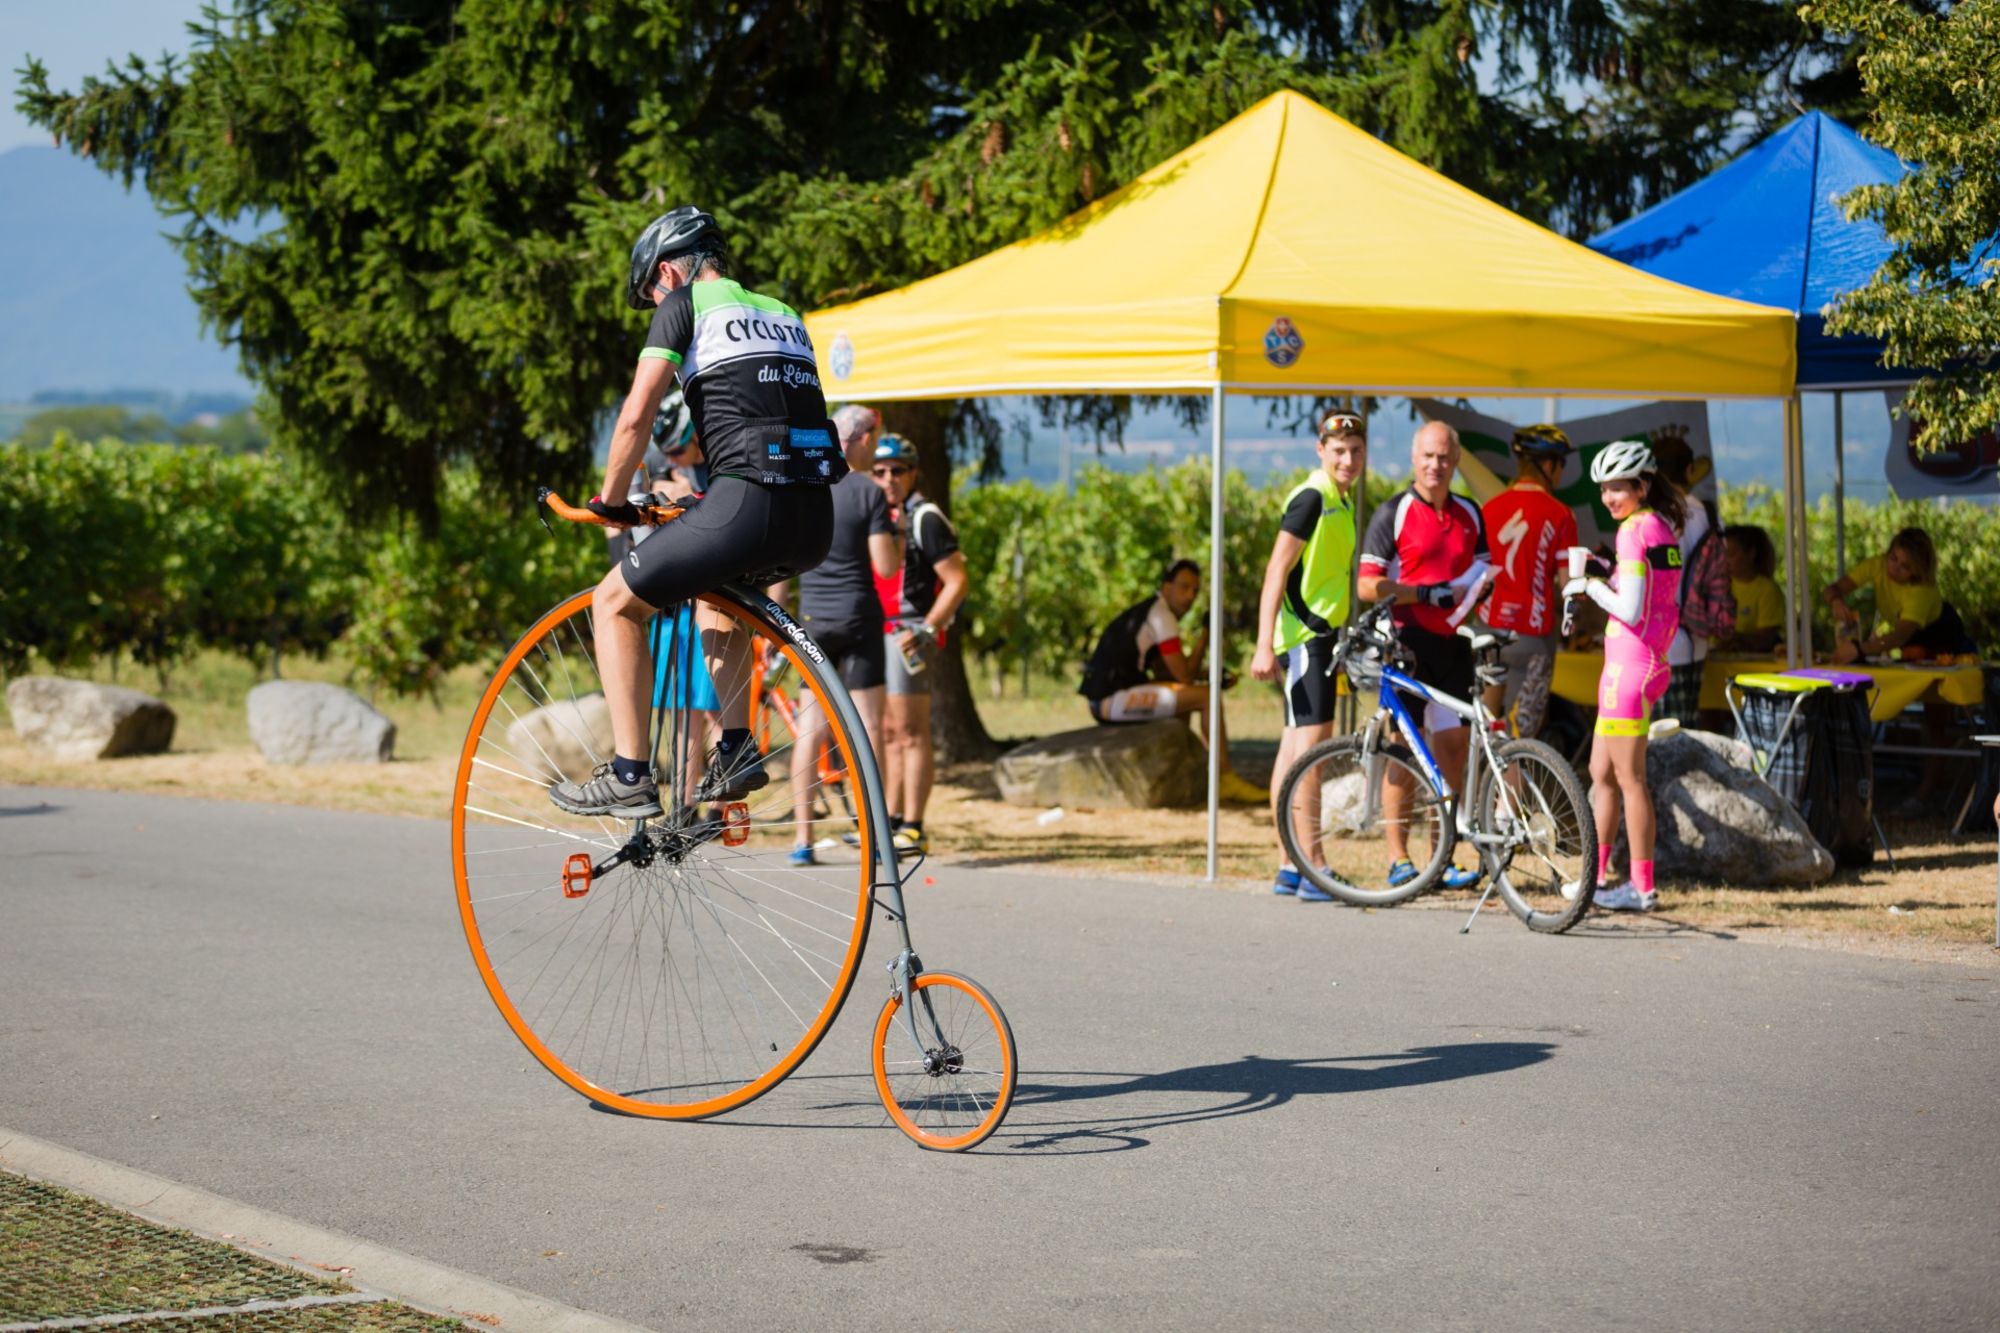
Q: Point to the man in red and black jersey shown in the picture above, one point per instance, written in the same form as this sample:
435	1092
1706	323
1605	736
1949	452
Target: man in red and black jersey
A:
1426	549
919	601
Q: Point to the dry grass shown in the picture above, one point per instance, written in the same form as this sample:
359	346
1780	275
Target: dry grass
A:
1943	889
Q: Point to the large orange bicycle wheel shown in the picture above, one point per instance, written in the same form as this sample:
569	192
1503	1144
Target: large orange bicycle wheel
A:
675	967
950	1085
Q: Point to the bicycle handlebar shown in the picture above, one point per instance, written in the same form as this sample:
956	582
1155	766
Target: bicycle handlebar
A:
651	512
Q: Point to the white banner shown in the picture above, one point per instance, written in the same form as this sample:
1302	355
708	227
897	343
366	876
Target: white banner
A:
1489	440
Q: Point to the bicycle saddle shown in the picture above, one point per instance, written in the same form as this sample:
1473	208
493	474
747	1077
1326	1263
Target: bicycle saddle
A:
1483	639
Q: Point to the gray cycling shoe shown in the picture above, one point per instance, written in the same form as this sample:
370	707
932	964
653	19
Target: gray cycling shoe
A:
733	778
604	794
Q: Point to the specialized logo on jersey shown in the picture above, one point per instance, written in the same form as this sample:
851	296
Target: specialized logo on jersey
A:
1510	535
840	356
1282	343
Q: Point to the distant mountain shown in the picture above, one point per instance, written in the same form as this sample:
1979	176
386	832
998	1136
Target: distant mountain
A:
92	296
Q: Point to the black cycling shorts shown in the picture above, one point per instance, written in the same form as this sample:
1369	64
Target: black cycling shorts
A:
1310	693
739	532
859	651
1444	662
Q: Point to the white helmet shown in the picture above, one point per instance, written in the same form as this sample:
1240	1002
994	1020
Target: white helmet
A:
1622	460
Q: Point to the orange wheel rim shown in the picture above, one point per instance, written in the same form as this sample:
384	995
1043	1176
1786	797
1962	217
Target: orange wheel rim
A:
815	1030
988	1122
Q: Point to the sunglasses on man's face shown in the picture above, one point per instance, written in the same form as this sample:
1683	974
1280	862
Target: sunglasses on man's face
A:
894	471
1337	423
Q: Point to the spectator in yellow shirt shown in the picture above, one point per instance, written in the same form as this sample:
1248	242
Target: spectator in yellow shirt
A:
1904	580
1760	603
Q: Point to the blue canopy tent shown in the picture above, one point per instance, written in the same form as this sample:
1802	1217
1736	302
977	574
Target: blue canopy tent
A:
1767	228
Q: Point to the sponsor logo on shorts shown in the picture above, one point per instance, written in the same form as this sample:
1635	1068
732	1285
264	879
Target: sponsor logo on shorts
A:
633	556
1282	343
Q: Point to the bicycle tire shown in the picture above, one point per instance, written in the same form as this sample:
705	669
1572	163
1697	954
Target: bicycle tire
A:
683	987
944	1104
1550	813
1360	868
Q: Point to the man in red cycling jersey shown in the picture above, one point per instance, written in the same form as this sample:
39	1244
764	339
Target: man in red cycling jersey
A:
1426	550
1529	529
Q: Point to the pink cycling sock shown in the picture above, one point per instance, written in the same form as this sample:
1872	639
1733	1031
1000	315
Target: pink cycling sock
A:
1603	863
1642	876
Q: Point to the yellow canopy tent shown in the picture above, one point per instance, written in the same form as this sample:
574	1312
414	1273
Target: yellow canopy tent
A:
1289	252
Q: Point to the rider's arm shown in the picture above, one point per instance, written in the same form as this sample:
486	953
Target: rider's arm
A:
885	553
1176	663
953	583
635	421
1378	556
1284	553
1624	600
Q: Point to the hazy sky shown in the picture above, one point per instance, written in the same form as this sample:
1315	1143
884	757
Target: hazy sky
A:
74	39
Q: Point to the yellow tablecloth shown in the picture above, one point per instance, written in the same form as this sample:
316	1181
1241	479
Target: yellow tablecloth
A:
1896	686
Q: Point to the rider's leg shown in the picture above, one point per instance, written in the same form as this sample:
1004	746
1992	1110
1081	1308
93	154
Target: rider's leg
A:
1449	748
895	741
811	733
1305	797
1628	766
1604	800
625	662
919	756
727	649
1399	794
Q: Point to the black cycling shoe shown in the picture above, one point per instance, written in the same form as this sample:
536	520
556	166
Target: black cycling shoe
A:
732	778
604	794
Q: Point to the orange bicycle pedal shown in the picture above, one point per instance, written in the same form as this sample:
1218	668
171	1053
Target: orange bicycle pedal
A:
576	876
735	824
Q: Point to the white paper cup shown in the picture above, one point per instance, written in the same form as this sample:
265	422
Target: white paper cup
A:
1579	561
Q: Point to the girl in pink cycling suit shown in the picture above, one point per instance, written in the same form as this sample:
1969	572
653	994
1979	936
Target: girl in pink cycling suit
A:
1643	600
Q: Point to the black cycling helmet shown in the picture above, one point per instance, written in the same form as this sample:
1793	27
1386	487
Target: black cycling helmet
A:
675	232
1542	442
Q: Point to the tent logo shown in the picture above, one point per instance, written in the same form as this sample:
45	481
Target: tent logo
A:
1282	343
840	356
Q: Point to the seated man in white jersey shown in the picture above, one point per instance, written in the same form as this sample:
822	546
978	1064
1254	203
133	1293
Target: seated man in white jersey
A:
1139	672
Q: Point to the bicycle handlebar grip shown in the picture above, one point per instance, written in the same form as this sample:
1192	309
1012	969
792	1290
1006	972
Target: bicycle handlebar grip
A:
651	515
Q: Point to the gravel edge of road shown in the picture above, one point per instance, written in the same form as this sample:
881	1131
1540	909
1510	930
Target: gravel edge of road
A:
368	1267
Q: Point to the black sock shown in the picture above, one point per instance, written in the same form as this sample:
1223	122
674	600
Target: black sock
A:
732	739
630	771
895	822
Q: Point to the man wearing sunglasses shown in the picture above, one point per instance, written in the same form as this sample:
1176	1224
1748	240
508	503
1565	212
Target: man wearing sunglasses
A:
918	603
1306	600
838	605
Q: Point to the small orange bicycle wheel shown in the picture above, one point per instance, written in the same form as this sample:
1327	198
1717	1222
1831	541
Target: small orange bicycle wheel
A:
676	966
951	1086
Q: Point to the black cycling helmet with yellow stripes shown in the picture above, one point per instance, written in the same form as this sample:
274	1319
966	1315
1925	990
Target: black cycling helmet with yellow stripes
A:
678	231
1543	441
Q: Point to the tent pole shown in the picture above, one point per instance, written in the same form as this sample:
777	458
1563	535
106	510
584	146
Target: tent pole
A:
1215	635
1798	616
1839	487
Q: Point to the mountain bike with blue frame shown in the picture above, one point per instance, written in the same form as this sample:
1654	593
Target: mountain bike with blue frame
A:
679	966
1353	806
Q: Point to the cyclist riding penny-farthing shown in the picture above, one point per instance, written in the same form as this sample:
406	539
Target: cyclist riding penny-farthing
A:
746	368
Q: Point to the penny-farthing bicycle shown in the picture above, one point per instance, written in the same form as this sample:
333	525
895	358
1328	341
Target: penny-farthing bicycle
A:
679	967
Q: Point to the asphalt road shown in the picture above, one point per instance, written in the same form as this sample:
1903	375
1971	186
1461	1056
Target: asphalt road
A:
1235	1110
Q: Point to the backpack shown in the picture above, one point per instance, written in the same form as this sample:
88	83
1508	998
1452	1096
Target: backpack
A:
1708	604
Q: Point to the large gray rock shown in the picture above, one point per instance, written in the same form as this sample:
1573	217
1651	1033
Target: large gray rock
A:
75	719
1138	766
304	722
569	737
1719	821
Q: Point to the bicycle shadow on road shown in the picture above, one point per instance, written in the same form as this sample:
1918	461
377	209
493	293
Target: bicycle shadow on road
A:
1118	1114
1068	1112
